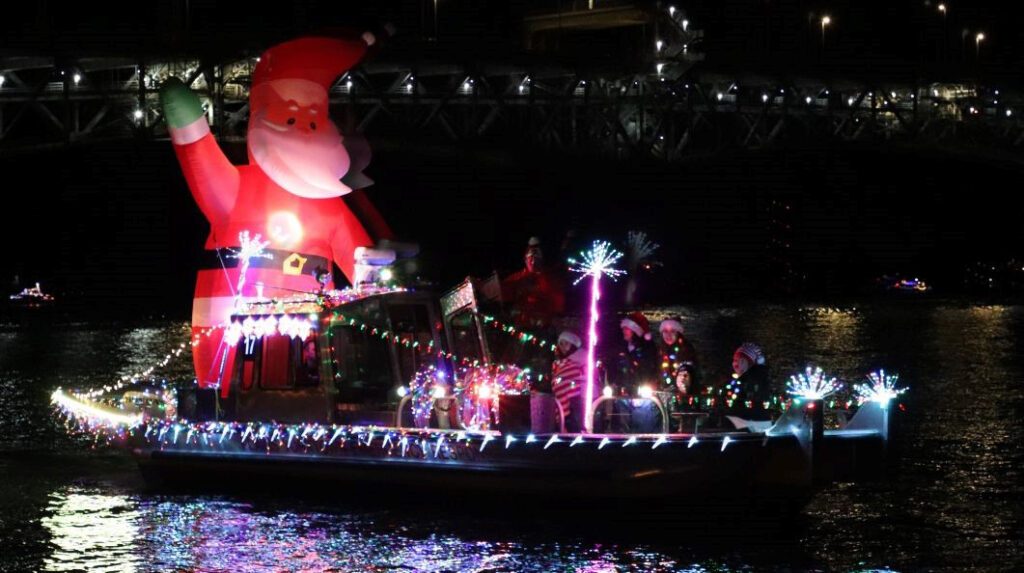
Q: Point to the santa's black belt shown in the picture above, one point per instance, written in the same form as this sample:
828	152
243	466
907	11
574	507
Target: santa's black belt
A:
288	262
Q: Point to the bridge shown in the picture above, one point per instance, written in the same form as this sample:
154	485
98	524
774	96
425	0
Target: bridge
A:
668	106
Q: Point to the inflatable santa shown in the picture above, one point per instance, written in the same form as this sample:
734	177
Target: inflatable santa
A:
290	192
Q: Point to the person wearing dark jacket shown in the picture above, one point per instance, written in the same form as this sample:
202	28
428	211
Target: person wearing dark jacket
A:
636	362
749	390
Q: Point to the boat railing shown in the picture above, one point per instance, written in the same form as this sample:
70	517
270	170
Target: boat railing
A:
661	408
452	401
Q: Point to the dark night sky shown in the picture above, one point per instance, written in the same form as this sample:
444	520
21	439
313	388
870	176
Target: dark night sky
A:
114	221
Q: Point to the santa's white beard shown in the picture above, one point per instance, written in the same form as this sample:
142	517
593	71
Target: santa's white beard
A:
305	164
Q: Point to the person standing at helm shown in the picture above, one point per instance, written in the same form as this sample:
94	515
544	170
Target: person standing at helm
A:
535	293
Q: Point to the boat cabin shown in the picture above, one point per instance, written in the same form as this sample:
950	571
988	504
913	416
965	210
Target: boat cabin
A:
334	365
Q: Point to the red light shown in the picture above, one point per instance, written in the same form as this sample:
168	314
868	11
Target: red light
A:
810	405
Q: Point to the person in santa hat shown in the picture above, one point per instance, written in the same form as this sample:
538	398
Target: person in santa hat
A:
637	356
568	373
289	193
747	393
674	351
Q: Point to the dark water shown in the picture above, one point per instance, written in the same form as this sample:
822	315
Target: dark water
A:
956	503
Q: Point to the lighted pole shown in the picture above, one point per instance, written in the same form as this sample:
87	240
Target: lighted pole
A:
977	45
945	33
598	261
825	21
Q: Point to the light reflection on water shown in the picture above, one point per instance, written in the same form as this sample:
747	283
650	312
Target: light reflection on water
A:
86	524
956	504
101	530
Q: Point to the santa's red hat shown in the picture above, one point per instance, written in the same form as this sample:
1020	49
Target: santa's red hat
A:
316	61
638	323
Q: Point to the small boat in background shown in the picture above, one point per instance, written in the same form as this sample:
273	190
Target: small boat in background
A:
32	297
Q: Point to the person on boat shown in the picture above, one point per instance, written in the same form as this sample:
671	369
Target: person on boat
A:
568	375
749	389
675	350
637	357
686	395
535	293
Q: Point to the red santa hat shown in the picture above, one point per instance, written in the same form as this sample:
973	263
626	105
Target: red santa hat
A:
570	337
638	323
674	324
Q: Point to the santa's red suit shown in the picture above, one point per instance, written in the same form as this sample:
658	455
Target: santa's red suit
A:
289	193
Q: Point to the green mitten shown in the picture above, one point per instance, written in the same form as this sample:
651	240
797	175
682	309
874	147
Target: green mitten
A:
181	106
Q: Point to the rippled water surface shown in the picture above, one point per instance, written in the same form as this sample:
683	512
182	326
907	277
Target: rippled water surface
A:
957	502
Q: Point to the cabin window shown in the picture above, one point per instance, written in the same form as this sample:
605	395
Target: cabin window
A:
465	337
362	366
279	362
307	363
275	363
249	348
411	323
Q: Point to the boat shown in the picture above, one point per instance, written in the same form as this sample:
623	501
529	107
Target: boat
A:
392	387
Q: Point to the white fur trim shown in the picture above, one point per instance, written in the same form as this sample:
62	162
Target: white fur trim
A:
673	325
571	338
190	133
632	325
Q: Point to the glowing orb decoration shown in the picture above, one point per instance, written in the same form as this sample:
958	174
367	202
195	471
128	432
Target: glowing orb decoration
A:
595	263
291	326
607	392
813	384
645	391
284	229
881	388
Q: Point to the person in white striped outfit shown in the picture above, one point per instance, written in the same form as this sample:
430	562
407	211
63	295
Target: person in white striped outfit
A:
568	373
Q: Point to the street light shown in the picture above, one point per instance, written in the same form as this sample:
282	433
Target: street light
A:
825	21
977	44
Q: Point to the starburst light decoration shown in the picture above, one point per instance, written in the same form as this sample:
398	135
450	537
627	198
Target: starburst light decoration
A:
880	388
813	384
640	248
248	249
